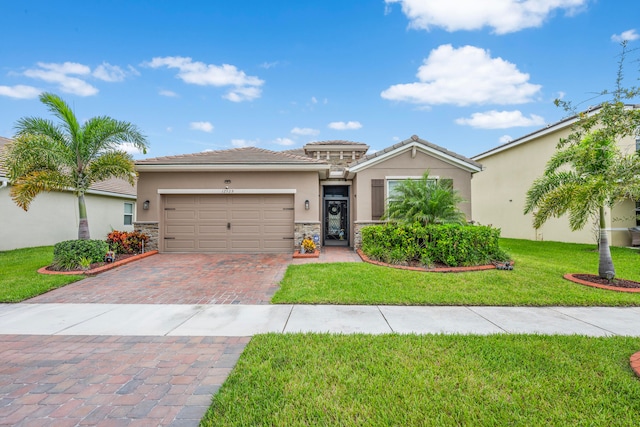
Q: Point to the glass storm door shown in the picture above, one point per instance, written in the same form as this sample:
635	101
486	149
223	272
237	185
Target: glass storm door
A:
336	223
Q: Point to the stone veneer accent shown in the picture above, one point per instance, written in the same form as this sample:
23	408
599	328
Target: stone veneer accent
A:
303	229
150	229
357	234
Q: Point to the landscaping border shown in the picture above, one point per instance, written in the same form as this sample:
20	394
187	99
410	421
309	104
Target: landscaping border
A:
315	254
427	270
101	269
570	277
634	360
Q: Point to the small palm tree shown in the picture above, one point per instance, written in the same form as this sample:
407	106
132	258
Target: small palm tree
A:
582	179
425	201
68	156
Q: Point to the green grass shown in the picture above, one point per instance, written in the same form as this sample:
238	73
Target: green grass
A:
19	278
535	281
432	380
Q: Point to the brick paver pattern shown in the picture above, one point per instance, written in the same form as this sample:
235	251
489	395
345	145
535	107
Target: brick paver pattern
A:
112	381
138	381
180	279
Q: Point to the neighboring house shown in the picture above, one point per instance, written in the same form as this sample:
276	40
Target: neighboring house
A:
53	217
499	192
256	200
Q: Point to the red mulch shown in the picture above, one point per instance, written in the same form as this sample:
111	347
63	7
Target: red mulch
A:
619	283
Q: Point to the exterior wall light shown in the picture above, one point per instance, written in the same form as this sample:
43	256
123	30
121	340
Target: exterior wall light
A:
306	205
145	205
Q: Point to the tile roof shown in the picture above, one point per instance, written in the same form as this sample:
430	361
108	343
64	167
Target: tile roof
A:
244	156
113	185
337	142
415	138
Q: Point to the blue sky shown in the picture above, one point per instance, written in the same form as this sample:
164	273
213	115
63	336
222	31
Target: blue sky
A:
193	76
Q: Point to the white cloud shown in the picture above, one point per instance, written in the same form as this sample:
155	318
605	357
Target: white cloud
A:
240	143
61	74
345	125
305	131
203	126
500	120
127	147
284	141
20	91
503	16
504	139
314	100
628	35
109	73
168	93
464	76
243	87
169	129
268	65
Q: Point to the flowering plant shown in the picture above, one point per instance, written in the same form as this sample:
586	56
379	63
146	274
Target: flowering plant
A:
308	245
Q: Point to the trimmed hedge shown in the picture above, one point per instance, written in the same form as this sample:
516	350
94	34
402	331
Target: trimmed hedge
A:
449	244
68	255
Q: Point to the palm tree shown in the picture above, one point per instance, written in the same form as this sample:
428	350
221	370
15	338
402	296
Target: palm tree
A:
425	201
46	156
599	175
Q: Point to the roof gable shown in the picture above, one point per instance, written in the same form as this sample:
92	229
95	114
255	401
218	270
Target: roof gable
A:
415	143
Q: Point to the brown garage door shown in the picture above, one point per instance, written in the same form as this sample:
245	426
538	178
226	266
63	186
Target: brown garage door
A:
228	223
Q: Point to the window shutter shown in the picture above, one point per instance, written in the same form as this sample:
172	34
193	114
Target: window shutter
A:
377	198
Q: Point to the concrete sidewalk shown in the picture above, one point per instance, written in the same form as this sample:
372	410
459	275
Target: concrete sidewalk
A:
246	320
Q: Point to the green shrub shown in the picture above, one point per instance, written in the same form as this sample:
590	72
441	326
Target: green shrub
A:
449	244
71	254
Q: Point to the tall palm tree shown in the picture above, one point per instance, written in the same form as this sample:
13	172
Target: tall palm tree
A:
425	201
582	179
46	156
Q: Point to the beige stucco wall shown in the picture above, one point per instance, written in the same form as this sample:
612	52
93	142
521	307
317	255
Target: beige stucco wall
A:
404	165
499	194
53	217
306	184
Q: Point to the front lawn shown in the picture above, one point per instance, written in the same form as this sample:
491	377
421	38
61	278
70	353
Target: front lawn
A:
19	278
432	380
535	281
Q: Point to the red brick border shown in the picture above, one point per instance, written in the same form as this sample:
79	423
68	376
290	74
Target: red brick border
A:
427	270
573	279
98	270
635	363
315	254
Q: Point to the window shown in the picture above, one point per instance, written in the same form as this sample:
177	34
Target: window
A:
394	182
128	213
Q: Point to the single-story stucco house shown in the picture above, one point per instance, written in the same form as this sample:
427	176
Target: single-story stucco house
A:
255	200
53	217
498	194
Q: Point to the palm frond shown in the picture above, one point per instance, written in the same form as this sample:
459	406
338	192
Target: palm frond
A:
25	189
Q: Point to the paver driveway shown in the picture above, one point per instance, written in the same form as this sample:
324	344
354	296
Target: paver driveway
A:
137	380
180	279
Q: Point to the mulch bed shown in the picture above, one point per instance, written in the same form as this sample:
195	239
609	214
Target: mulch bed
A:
620	285
99	267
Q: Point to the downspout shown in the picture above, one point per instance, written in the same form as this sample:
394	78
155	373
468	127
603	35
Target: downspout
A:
4	182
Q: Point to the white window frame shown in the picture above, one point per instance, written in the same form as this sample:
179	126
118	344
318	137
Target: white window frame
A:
127	214
390	180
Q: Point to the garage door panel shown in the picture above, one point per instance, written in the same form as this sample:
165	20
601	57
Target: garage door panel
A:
180	214
173	200
173	230
258	223
179	245
213	215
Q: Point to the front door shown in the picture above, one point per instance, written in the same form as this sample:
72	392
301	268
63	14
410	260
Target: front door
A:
336	222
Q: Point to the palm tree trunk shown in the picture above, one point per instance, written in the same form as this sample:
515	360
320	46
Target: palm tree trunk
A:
83	226
605	262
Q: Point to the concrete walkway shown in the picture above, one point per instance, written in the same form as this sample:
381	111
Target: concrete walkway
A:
182	320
